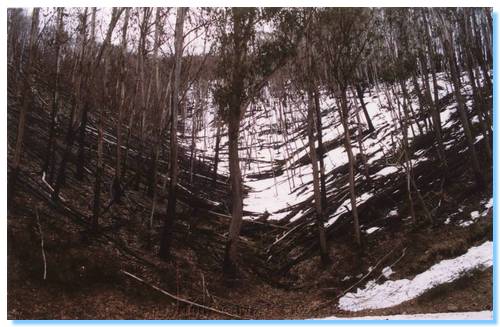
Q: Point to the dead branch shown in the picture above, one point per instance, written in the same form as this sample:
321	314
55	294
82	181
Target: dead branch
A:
41	243
179	298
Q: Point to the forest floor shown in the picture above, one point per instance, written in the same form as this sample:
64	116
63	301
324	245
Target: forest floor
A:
84	278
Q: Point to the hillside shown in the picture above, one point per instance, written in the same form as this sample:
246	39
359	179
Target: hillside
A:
425	215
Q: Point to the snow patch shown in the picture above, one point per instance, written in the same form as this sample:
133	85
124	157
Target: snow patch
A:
489	204
387	171
474	214
372	230
391	293
466	223
473	315
392	213
387	272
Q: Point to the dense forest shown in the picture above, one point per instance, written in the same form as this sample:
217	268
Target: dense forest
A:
248	163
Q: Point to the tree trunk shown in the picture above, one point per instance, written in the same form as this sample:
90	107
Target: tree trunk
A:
49	158
407	165
318	201
100	129
432	58
480	182
236	112
159	121
27	99
321	148
141	99
117	183
192	155
80	164
359	137
236	193
479	56
414	118
98	173
217	149
77	82
347	141
434	111
476	89
100	141
166	237
420	98
360	94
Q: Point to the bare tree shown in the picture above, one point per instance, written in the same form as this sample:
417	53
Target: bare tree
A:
49	159
106	89
462	109
27	100
166	237
242	74
347	36
117	184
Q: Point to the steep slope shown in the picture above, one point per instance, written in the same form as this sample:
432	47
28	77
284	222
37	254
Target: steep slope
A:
281	274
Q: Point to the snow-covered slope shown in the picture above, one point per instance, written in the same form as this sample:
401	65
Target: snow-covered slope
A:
272	135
